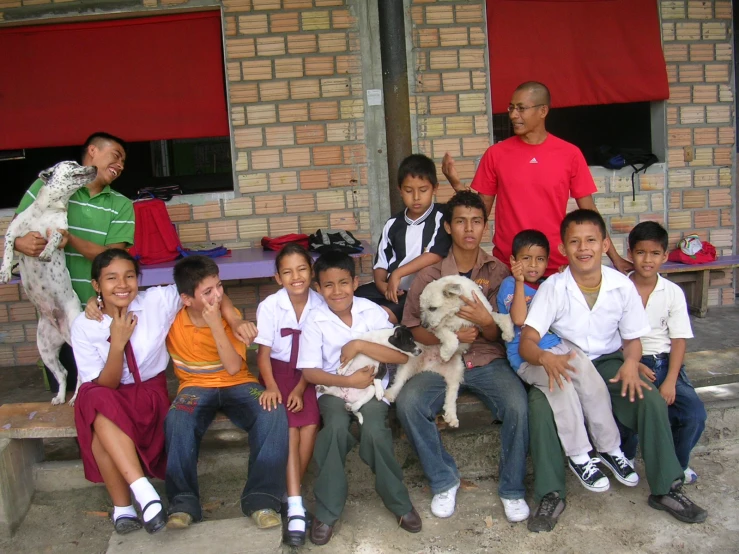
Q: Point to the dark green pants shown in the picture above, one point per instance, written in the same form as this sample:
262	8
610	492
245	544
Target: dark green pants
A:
647	416
335	441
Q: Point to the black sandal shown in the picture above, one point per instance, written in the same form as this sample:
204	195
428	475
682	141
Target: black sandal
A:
156	523
294	538
126	524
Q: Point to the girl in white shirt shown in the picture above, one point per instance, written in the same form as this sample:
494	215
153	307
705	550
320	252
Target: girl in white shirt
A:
280	319
119	414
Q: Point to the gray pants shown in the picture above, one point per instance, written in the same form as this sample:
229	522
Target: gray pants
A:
585	400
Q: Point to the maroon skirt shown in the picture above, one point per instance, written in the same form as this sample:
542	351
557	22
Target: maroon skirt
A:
137	409
287	379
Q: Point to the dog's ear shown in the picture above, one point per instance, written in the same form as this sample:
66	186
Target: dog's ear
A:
452	290
46	174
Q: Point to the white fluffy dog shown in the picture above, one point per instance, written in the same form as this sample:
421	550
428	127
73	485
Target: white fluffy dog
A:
401	339
440	301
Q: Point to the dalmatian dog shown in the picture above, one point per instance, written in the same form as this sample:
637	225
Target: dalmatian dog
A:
440	302
401	339
46	279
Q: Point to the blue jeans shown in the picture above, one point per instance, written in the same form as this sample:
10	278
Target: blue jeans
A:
503	394
687	414
189	417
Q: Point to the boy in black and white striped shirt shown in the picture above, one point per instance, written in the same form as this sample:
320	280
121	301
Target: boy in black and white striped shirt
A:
411	240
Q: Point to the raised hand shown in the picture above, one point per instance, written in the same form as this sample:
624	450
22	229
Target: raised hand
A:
122	327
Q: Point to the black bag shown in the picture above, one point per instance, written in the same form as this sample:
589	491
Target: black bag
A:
637	158
323	241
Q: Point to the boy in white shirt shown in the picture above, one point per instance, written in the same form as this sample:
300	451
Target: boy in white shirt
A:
663	348
328	338
598	310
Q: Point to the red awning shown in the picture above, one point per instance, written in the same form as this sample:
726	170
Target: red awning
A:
587	52
146	78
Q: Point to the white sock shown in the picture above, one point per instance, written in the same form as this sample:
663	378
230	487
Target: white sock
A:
145	493
616	452
580	459
119	511
295	508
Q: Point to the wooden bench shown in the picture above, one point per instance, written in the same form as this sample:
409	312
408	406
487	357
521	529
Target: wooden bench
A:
694	280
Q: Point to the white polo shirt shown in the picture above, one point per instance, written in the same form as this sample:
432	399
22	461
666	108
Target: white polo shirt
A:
667	312
617	315
276	312
324	334
155	309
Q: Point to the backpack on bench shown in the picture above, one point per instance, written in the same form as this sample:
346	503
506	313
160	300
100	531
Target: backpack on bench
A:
155	237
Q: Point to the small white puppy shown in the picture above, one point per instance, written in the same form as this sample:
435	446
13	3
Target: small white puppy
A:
440	302
401	339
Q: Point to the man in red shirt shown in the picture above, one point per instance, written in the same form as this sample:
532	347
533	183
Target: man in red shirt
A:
533	174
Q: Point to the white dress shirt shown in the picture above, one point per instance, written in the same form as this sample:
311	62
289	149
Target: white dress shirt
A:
668	316
276	312
618	313
155	309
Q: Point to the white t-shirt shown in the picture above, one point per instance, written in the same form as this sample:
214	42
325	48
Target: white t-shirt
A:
324	334
155	309
276	312
618	313
668	316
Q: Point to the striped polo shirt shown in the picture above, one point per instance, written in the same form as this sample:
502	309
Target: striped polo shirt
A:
106	218
404	239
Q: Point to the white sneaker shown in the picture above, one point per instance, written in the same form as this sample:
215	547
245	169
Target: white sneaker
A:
442	505
690	477
515	510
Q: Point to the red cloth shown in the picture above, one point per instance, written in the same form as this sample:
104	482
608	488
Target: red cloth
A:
704	255
278	243
137	409
141	78
532	184
587	52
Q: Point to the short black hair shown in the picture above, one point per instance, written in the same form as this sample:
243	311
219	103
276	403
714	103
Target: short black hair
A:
466	199
530	237
100	137
419	166
190	271
292	248
540	91
583	216
333	259
648	230
105	258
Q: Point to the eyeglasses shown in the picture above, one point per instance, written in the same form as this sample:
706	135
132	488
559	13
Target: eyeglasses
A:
521	109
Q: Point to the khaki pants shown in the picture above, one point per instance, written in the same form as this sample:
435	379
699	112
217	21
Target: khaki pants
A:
584	401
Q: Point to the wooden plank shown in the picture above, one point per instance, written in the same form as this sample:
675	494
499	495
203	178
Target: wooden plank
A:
724	262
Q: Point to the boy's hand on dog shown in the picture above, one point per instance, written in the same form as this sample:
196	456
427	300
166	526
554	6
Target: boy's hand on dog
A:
468	335
31	244
474	312
361	379
517	270
270	398
631	382
65	237
557	367
122	327
393	291
348	352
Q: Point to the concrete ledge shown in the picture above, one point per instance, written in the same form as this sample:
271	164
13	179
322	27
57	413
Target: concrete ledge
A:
17	460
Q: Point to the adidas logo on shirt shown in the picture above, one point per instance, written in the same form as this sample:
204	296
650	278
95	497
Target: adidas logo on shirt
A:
533	161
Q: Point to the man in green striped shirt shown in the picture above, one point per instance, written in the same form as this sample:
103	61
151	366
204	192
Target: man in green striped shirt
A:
99	217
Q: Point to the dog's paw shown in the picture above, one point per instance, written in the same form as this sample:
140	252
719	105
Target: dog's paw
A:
451	419
446	352
5	276
44	256
57	400
360	419
390	395
72	401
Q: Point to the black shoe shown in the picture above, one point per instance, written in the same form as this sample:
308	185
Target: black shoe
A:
590	475
156	523
126	524
621	468
293	538
678	505
547	512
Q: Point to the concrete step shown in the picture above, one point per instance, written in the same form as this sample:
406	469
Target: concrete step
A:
225	536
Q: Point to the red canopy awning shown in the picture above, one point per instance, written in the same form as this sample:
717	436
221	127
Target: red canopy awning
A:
587	52
146	78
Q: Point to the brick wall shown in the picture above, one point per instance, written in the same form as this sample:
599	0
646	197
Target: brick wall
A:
294	77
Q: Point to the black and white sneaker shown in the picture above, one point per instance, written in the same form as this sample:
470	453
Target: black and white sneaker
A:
591	477
678	505
621	468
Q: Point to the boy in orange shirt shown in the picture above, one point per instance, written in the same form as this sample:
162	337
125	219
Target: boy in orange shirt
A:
210	363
